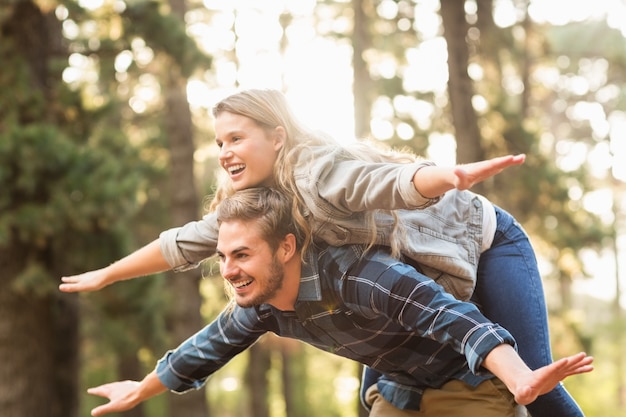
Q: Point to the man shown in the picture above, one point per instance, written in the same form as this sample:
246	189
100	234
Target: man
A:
439	356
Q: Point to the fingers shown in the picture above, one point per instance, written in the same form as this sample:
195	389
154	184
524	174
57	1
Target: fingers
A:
101	391
120	395
88	281
576	364
572	365
68	284
546	378
468	175
510	160
100	410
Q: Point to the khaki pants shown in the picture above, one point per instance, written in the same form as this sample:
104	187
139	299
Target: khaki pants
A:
453	399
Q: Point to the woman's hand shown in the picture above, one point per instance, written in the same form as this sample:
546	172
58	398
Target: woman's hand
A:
88	281
434	181
470	174
145	261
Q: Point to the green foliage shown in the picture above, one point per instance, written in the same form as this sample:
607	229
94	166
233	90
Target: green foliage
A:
52	185
34	279
165	33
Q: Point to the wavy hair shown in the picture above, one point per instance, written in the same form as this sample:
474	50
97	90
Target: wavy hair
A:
269	109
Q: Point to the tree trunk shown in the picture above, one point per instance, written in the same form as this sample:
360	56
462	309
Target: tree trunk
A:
38	325
184	316
38	345
460	87
361	89
259	362
295	377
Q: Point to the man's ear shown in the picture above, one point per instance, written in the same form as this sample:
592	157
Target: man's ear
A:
288	248
280	137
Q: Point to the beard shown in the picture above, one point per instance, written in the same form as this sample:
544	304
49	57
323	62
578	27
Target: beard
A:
272	284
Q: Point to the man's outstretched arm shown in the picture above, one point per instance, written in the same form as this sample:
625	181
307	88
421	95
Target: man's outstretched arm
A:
525	384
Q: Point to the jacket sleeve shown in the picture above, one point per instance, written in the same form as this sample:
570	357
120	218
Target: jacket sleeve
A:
185	247
357	186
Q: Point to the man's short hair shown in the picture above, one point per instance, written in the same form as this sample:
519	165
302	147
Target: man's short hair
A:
270	209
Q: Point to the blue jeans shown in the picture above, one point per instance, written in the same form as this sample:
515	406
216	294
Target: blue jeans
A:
509	292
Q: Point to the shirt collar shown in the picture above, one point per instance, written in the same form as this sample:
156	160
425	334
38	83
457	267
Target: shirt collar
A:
310	283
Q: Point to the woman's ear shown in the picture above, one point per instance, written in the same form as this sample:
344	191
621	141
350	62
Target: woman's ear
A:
280	137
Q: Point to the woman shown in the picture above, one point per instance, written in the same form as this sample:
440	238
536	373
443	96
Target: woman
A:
360	194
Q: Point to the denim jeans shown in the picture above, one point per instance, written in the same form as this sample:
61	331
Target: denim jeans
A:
509	291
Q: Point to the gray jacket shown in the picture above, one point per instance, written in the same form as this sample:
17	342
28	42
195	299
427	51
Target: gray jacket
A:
445	238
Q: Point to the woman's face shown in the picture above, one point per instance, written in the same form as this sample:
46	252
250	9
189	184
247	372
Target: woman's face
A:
247	151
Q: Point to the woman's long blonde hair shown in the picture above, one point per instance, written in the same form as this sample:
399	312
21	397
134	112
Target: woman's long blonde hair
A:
269	109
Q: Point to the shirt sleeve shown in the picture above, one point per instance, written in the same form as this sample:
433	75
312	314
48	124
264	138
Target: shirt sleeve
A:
380	285
185	247
188	366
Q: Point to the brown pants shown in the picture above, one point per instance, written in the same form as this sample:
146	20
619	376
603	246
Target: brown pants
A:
453	399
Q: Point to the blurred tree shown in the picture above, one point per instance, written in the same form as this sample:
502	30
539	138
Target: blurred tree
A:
460	85
66	191
184	317
362	43
176	58
515	113
79	138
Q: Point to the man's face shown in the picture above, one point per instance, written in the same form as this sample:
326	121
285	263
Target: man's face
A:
248	264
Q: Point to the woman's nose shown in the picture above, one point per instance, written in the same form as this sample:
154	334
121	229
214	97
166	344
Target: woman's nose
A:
225	152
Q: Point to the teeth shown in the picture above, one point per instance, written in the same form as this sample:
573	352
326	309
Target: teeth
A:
237	167
241	284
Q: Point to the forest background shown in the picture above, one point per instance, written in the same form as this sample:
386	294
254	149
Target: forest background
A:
106	140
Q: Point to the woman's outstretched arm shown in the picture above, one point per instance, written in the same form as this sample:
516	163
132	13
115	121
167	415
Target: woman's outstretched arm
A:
145	261
433	181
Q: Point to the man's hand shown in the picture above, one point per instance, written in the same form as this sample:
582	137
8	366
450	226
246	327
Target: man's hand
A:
545	379
88	281
122	397
469	175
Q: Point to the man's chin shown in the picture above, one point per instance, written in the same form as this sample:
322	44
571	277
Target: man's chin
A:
245	302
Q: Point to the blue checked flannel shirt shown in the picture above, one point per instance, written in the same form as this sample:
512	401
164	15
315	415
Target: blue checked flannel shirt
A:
373	309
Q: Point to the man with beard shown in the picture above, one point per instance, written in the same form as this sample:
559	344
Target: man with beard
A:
439	356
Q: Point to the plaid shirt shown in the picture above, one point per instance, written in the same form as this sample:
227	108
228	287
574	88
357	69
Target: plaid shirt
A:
373	309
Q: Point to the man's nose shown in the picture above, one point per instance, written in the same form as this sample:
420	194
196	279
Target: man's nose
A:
228	269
